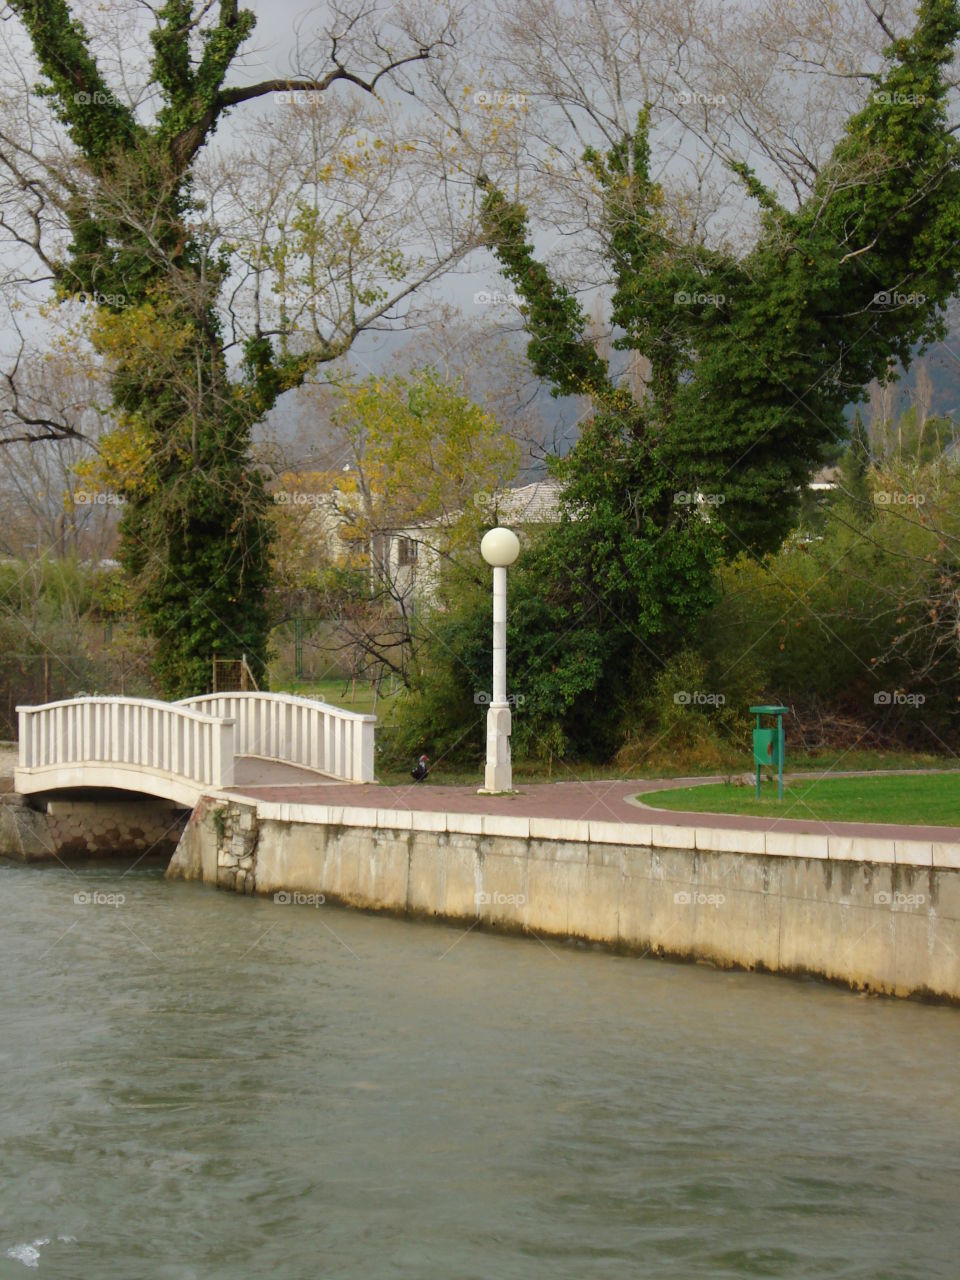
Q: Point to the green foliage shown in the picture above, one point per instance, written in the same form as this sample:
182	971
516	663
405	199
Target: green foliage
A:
423	451
787	612
855	464
912	440
52	636
684	715
877	593
568	645
45	587
95	119
219	820
207	595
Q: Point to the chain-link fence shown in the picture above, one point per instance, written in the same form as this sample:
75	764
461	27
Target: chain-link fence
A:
232	675
27	679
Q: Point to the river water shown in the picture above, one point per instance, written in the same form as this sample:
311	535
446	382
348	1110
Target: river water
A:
198	1085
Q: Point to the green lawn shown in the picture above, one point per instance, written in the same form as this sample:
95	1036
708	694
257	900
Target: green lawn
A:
338	692
534	771
926	799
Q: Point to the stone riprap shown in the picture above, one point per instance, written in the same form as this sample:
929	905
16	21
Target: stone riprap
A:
64	830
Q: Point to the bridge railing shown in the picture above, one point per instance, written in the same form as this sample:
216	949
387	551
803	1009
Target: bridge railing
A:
300	731
129	734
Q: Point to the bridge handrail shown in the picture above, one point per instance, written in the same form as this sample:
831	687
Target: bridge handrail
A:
94	697
298	731
142	733
266	696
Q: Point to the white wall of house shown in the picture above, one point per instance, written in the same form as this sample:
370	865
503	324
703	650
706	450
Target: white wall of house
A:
408	560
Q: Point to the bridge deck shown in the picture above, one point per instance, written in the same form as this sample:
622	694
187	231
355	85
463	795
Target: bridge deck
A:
253	771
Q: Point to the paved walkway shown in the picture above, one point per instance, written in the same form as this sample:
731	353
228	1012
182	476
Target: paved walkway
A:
597	801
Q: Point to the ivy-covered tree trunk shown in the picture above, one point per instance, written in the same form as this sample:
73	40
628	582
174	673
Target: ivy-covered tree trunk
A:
195	532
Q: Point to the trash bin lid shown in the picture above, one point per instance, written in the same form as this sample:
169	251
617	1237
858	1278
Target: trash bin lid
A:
770	711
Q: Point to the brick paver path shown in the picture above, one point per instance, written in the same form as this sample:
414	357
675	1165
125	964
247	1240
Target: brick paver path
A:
595	801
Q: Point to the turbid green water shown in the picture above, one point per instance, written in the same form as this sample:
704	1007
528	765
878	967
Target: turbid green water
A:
197	1085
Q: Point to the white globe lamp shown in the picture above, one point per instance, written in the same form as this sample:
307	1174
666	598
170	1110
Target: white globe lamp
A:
500	547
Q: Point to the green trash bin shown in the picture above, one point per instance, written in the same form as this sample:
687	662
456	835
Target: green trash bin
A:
768	743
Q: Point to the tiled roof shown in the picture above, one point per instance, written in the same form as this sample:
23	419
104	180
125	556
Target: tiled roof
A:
536	503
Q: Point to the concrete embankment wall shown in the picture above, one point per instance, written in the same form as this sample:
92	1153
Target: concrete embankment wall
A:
877	915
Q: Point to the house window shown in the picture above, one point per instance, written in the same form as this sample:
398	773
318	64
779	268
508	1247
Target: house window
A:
406	551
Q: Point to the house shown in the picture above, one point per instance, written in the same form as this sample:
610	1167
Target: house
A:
330	522
409	558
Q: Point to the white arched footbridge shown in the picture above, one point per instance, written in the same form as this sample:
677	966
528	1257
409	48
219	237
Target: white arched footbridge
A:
181	751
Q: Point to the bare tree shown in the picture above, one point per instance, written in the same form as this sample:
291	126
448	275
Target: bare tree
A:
48	506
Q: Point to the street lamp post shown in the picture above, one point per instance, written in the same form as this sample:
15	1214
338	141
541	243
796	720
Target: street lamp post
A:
500	548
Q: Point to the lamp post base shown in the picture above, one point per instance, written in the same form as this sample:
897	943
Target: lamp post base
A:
497	791
498	775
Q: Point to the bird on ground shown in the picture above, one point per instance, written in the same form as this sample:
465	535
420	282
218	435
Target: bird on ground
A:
420	769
